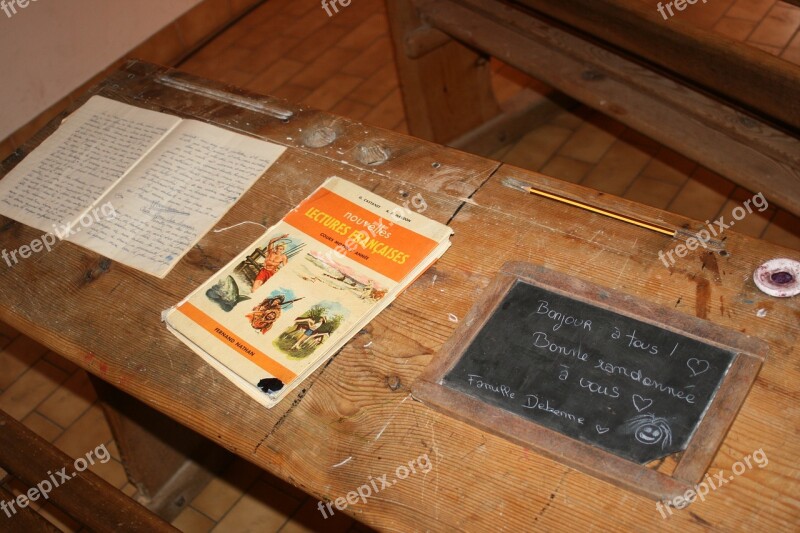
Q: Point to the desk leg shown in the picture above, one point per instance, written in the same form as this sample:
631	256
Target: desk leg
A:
446	86
168	463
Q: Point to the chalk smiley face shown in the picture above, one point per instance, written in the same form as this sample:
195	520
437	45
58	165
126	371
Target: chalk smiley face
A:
649	429
649	434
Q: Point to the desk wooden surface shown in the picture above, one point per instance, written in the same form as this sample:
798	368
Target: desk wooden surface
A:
354	418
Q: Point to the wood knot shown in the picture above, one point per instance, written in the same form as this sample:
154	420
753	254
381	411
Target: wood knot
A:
102	267
7	225
394	382
198	257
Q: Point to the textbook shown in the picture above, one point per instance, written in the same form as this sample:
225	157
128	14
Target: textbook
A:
296	295
163	182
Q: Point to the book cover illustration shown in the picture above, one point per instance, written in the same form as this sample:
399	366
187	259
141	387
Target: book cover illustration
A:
284	301
311	329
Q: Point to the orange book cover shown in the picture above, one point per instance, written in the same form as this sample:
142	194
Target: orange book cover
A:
298	293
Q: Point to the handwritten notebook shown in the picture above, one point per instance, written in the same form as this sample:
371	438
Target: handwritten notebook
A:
166	180
296	295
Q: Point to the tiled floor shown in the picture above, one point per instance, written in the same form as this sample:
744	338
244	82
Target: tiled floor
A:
344	64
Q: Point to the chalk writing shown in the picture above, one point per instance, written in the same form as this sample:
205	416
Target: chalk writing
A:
561	318
502	390
532	402
640	344
596	388
540	340
627	386
638	376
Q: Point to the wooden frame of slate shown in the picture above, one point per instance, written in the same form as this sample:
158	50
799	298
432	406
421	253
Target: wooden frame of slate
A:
633	393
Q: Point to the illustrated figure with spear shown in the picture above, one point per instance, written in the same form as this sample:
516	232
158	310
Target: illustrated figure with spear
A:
267	312
273	260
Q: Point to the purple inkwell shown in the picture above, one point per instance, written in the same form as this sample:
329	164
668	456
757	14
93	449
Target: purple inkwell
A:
782	278
779	277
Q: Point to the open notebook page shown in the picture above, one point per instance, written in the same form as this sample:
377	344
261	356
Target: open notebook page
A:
176	194
80	162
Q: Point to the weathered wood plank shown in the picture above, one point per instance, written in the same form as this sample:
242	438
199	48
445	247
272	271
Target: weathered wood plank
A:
738	71
87	497
24	520
446	91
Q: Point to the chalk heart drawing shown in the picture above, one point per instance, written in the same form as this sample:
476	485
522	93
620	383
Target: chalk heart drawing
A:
601	430
697	366
641	403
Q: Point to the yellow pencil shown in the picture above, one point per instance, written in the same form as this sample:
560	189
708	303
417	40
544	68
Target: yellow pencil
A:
630	220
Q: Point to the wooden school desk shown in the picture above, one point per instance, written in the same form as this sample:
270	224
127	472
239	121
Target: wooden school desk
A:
354	420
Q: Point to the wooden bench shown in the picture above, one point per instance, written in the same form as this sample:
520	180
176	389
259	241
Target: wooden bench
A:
729	106
85	496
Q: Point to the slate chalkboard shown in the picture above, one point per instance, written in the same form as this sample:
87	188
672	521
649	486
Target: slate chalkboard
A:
631	388
594	378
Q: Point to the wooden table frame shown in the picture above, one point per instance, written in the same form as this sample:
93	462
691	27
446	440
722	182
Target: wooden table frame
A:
354	418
